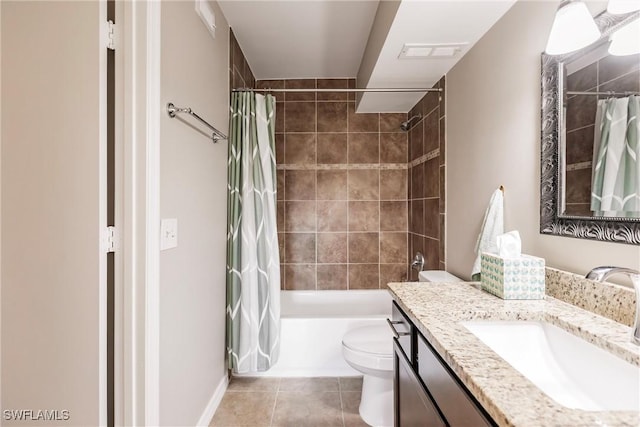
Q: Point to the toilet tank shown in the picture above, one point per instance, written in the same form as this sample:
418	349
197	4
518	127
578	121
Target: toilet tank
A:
437	276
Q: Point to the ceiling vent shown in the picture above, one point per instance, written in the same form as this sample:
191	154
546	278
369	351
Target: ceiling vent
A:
432	51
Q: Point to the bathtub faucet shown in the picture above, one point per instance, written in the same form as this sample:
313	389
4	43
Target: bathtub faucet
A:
418	262
600	274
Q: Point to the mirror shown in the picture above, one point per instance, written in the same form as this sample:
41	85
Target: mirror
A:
585	104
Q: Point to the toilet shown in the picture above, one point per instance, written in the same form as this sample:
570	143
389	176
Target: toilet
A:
438	276
369	350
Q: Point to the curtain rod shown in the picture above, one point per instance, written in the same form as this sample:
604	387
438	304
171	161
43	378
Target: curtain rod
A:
610	93
173	111
391	90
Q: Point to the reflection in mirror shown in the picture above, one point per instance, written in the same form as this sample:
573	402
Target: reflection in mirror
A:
600	142
589	185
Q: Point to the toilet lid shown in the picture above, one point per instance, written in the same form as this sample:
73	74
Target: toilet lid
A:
376	340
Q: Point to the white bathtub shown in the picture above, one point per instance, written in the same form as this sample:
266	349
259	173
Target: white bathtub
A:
312	326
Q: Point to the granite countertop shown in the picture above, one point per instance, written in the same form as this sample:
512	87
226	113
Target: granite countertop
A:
510	398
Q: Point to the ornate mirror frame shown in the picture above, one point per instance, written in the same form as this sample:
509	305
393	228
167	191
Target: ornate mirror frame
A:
552	158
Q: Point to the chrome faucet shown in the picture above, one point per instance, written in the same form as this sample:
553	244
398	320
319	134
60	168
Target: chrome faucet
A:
600	274
418	262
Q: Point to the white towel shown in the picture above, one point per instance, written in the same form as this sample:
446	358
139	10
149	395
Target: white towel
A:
492	226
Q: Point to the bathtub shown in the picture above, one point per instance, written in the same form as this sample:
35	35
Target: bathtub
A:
312	326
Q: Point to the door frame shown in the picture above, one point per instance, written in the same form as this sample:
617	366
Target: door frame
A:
137	316
101	417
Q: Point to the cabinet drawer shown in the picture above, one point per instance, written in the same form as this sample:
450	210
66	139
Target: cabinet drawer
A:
402	327
456	404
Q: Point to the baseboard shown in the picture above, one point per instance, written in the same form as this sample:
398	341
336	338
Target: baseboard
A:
210	409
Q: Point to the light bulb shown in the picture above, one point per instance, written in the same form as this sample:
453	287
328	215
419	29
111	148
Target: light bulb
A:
573	28
626	41
618	7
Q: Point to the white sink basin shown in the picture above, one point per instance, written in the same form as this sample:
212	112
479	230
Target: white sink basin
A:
571	371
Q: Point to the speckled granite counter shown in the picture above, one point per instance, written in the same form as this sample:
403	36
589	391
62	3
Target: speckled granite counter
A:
510	398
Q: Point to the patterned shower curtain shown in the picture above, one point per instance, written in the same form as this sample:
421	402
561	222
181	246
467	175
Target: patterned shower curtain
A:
615	187
253	260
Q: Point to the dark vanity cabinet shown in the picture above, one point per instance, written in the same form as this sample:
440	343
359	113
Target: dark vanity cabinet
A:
412	404
426	391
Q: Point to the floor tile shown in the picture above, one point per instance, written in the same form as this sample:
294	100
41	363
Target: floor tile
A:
283	402
309	409
253	384
350	383
350	405
309	384
252	409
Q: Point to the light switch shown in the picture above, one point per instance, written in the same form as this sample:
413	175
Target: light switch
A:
168	233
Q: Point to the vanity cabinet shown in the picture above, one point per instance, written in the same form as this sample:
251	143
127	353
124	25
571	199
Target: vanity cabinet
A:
426	391
453	399
412	404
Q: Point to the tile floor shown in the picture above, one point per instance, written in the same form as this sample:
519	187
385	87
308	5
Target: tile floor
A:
293	402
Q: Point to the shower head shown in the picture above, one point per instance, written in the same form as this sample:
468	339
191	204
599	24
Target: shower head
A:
405	126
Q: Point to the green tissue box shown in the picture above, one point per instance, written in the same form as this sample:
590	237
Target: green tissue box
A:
513	278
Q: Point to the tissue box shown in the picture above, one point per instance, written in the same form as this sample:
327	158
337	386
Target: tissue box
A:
513	278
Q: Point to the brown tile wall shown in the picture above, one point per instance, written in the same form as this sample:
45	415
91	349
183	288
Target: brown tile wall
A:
426	175
342	189
357	197
611	73
240	74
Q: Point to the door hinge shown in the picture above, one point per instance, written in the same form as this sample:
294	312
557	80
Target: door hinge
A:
111	35
110	240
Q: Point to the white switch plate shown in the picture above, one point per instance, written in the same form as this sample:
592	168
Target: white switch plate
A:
168	233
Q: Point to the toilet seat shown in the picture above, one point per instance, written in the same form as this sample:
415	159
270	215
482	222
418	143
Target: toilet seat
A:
369	347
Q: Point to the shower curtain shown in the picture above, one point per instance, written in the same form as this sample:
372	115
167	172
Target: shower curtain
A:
253	260
615	186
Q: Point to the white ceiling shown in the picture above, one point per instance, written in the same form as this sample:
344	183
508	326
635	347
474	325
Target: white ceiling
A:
327	38
426	22
303	38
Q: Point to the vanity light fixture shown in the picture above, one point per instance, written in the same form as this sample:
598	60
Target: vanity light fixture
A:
626	41
618	7
573	28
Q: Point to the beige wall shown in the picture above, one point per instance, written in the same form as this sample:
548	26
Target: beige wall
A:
50	208
194	73
0	202
493	134
50	211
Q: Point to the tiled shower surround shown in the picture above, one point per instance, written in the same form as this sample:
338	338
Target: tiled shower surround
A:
426	173
356	199
342	189
240	74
